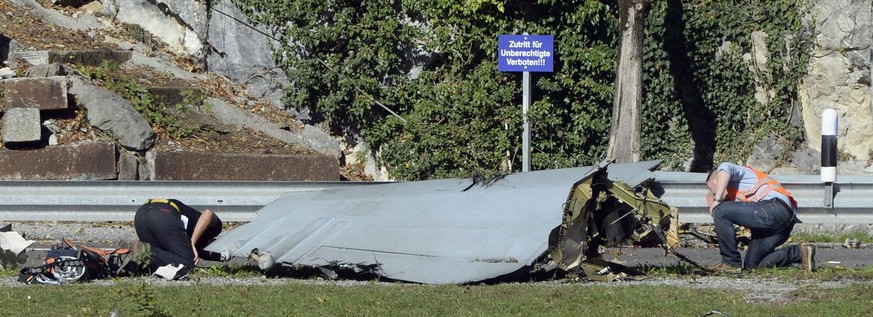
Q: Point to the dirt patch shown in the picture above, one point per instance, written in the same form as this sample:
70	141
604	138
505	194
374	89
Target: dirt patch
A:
33	33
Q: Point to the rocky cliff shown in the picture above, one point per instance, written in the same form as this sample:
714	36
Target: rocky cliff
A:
148	90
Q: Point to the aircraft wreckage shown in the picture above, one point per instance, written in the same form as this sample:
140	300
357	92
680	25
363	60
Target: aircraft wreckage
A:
460	230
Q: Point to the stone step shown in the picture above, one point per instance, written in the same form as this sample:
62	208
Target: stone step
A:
84	161
90	58
48	93
83	57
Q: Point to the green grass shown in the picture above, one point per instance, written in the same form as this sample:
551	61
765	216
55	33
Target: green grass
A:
826	273
134	297
372	299
830	238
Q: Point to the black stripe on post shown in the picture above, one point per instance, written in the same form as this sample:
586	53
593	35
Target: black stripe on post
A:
828	151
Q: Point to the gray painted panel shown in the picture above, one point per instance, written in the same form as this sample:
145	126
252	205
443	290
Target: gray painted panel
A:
427	232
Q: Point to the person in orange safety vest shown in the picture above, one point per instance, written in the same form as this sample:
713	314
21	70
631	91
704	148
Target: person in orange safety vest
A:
745	196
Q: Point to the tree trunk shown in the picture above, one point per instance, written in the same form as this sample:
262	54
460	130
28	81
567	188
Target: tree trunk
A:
624	136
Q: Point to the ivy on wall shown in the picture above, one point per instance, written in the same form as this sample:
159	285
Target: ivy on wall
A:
433	62
701	78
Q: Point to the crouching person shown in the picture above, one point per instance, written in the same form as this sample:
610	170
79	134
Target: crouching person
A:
174	233
745	196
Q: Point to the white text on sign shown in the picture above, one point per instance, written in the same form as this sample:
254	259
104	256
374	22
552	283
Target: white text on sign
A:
525	44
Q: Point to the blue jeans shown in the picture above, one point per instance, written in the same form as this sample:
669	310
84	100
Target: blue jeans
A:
770	222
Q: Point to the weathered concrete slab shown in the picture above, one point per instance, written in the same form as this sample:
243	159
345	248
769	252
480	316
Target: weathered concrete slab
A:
82	161
91	58
21	125
48	70
49	93
241	167
128	167
33	57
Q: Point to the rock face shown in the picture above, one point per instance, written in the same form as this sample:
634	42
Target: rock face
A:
176	23
237	48
839	75
243	52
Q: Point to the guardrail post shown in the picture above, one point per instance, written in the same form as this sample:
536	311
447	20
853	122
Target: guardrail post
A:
829	154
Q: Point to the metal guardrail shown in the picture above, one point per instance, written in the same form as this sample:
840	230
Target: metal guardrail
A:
118	200
239	201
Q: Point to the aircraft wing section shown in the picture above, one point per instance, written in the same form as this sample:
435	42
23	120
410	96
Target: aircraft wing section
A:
438	231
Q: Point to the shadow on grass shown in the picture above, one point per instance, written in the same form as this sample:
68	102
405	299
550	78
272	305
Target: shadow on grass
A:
525	274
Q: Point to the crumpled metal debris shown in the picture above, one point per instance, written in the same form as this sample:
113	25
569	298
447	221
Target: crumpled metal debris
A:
12	245
603	212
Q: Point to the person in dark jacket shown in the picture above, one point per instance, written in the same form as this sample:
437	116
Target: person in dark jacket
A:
174	232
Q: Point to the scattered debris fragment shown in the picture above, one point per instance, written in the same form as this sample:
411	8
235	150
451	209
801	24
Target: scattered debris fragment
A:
12	245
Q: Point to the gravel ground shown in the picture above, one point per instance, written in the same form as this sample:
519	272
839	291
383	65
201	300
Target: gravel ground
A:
102	234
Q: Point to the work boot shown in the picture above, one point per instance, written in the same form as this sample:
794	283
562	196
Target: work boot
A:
807	257
722	267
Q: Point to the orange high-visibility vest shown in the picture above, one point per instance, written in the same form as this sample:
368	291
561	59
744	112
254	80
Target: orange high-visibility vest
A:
756	193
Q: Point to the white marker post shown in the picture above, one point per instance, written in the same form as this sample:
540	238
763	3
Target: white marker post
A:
829	154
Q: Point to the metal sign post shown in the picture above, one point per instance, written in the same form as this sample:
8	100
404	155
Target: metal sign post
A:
525	107
525	53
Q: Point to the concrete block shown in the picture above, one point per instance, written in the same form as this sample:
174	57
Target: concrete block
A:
47	93
34	57
128	167
244	167
48	70
82	161
21	126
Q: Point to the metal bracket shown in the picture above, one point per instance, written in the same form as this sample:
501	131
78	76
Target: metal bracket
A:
829	195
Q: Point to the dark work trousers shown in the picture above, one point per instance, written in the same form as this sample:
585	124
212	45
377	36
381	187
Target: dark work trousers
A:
160	225
770	222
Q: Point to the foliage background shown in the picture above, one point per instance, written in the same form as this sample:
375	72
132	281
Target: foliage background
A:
433	62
